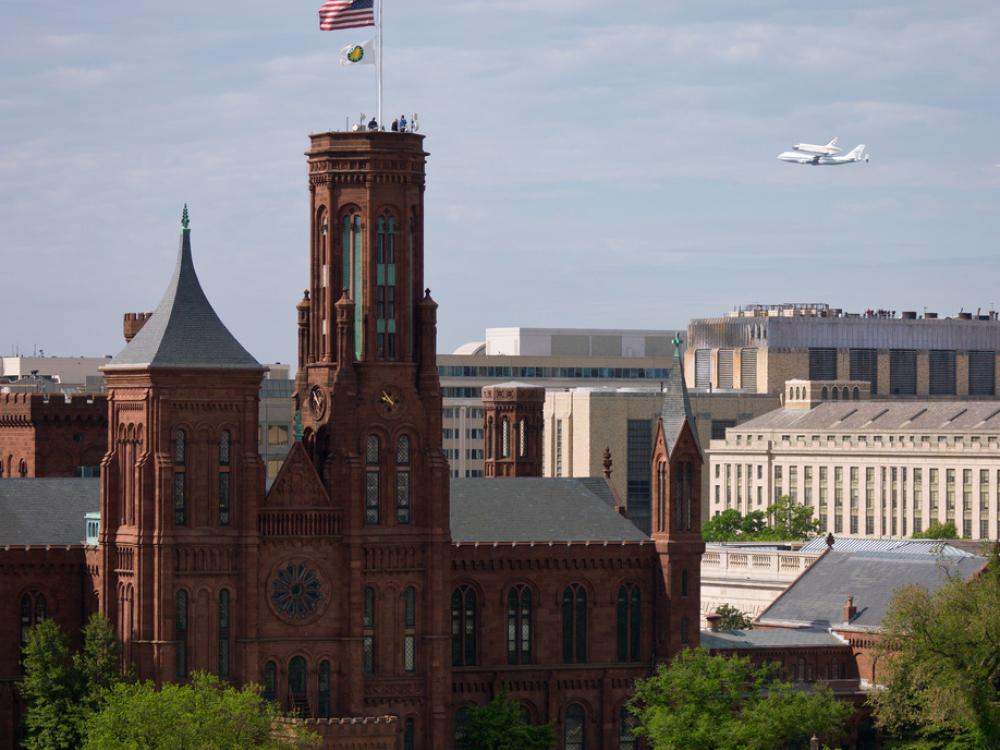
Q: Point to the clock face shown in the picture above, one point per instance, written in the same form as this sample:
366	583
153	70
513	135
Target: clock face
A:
317	402
388	402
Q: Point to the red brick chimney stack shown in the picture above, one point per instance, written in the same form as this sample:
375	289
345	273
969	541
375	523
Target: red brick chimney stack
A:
849	609
133	323
714	621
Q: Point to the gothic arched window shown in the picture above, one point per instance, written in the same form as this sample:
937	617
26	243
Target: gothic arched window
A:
574	608
224	633
461	719
385	287
33	611
505	437
684	630
351	280
629	611
409	730
323	704
575	728
22	468
519	625
403	479
372	479
225	441
181	615
409	629
522	438
661	495
180	477
368	631
463	627
270	680
297	685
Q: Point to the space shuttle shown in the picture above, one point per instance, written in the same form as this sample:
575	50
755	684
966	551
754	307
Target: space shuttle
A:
811	148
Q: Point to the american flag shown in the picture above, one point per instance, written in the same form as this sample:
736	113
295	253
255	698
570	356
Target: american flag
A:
345	14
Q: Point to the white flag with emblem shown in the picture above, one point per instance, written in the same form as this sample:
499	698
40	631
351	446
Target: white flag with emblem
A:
362	53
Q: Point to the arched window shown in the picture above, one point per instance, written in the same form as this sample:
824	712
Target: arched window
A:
519	625
352	261
224	633
368	627
505	437
844	394
22	468
824	394
33	611
409	732
684	582
224	448
323	248
409	629
857	394
297	700
489	438
385	287
800	670
372	480
270	680
403	479
835	673
629	618
323	704
836	393
522	438
181	633
575	728
180	475
463	627
574	624
626	730
684	630
661	495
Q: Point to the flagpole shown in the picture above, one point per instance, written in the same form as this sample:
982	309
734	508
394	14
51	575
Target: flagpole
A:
378	64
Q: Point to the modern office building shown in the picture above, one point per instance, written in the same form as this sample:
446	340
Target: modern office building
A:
580	423
759	347
557	358
868	468
51	373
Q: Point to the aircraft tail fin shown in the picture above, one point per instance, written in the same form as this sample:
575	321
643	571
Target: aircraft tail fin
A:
832	143
858	152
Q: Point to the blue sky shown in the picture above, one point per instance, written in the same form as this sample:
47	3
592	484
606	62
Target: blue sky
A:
592	163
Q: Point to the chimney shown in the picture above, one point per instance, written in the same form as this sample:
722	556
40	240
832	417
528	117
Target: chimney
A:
133	323
849	609
714	620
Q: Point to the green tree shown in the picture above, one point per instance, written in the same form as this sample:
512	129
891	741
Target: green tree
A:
98	664
724	527
789	521
501	725
937	530
733	619
704	702
939	663
206	713
52	688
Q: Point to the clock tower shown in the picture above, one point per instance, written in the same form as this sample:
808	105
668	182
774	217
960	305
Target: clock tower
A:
368	392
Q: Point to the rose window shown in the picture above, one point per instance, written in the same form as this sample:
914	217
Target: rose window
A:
296	591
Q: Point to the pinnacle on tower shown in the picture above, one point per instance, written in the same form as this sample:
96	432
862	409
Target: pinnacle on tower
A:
185	221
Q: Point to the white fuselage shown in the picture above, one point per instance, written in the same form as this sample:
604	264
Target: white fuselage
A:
812	148
819	160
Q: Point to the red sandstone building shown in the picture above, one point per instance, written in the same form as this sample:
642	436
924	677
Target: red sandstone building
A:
363	583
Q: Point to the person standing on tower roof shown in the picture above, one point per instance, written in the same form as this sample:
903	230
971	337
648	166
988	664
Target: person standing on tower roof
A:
402	123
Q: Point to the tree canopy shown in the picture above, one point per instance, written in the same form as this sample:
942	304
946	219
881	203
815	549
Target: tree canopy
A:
733	618
939	664
61	688
205	713
784	520
937	530
501	725
703	702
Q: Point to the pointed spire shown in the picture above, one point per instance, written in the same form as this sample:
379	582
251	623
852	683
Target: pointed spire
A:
185	221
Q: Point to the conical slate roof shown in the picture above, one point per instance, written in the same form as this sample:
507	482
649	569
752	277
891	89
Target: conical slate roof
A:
185	331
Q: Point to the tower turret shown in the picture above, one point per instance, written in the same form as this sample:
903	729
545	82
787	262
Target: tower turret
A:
513	424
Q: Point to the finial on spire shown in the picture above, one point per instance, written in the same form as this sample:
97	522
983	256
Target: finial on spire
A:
298	426
677	341
185	221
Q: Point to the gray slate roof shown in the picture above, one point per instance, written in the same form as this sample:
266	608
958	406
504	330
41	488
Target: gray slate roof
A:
878	416
817	598
185	331
529	509
728	640
909	546
46	511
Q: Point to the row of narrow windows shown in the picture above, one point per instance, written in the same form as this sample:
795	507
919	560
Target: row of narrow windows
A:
683	519
376	479
521	618
222	473
21	471
501	436
182	619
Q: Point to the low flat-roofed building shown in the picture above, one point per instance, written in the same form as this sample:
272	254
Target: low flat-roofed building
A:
867	468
